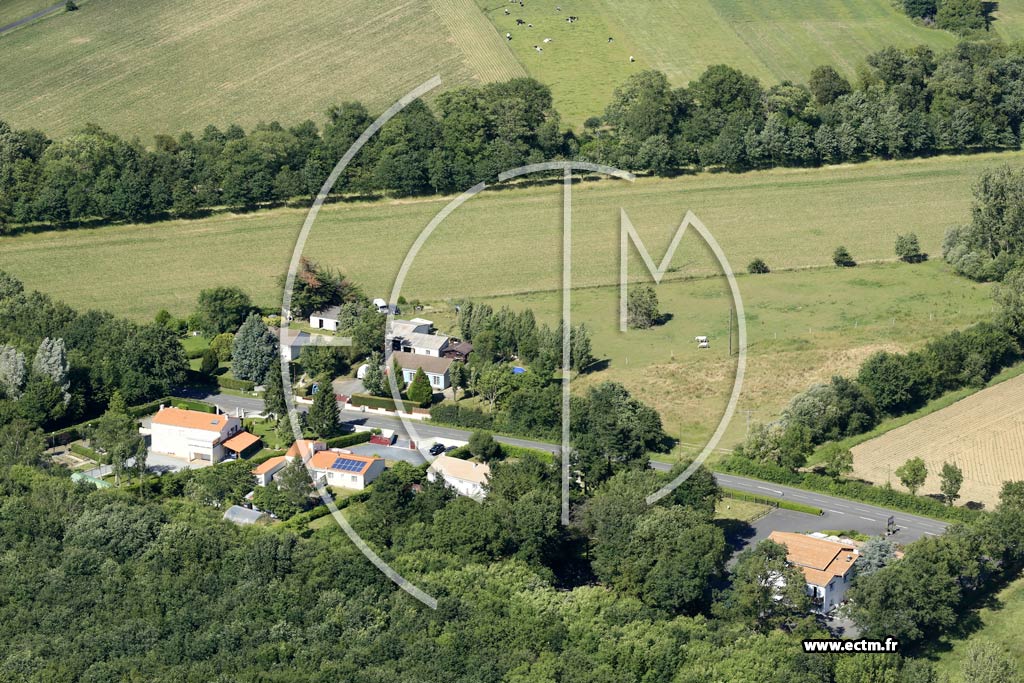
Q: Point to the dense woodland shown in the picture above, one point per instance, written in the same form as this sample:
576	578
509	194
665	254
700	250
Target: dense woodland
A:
904	103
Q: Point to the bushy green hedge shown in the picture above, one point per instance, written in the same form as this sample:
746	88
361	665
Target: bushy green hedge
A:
773	502
84	451
235	383
883	496
458	416
348	439
189	404
387	403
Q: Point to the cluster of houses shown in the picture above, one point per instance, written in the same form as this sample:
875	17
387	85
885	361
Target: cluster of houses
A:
412	344
201	438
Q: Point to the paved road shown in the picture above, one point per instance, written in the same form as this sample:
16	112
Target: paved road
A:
840	513
31	17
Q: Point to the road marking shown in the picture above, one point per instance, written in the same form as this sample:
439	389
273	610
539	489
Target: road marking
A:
836	512
772	490
868	519
930	533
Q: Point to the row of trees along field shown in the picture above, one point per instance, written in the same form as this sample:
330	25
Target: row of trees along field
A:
904	103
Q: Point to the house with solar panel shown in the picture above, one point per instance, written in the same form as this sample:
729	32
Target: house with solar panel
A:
198	436
336	467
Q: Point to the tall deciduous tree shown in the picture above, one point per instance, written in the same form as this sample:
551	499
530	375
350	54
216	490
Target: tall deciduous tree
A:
117	435
912	474
273	392
642	307
767	592
951	478
254	351
222	309
51	361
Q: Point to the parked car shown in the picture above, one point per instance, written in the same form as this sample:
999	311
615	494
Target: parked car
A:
437	449
450	449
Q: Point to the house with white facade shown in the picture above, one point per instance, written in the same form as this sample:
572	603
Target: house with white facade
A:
465	476
327	319
338	467
436	369
827	564
192	434
424	344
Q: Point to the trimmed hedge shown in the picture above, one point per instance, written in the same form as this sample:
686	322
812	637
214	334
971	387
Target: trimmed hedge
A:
457	416
845	488
189	404
235	383
385	402
348	439
772	501
84	451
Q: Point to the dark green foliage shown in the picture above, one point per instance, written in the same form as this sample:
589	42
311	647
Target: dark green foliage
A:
841	257
460	416
951	478
316	288
420	390
210	362
235	383
324	413
908	248
827	84
642	307
993	242
274	388
222	309
912	474
255	350
482	445
346	440
758	267
961	16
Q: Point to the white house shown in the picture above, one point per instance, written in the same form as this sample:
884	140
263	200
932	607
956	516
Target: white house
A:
337	467
465	476
326	319
292	343
192	434
436	369
268	469
827	565
424	344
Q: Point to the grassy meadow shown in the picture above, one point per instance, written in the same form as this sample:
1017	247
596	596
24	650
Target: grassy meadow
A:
803	327
508	241
172	65
13	10
806	320
773	41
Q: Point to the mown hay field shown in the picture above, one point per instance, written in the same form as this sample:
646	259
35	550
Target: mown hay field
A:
983	434
142	68
773	41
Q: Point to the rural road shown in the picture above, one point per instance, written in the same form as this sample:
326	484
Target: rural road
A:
839	513
32	17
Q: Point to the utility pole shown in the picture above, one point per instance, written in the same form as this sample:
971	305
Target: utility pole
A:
730	331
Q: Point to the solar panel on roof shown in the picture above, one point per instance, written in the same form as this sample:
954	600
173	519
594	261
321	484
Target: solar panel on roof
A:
347	465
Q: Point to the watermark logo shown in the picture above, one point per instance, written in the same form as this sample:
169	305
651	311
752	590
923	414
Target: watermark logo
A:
628	234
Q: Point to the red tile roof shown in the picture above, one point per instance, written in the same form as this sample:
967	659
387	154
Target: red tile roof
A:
190	419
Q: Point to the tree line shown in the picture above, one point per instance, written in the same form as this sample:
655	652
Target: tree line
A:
624	595
904	103
59	366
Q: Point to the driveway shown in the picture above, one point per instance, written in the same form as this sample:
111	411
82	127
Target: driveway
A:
389	453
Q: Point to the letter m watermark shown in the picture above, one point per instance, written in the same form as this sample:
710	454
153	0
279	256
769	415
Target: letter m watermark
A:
627	233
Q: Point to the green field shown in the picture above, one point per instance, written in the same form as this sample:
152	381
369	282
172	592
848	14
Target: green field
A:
743	510
1000	624
167	66
506	242
772	40
805	323
803	327
13	10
